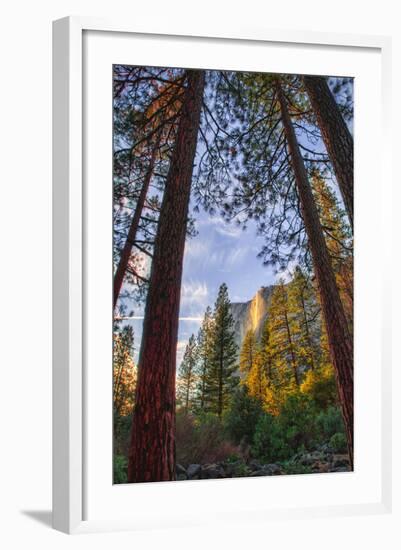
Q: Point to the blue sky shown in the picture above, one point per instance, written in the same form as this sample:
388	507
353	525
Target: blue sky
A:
219	253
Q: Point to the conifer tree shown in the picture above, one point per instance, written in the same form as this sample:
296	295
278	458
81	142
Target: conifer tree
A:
256	380
262	116
304	311
339	337
248	353
265	353
281	345
205	349
123	371
221	378
253	367
152	448
338	239
187	375
336	136
146	106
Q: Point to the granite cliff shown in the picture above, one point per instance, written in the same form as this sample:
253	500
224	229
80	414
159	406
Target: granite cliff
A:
251	314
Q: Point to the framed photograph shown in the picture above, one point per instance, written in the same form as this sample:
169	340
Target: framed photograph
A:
219	346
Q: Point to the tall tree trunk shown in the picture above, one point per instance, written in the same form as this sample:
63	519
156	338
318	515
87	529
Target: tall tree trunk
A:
340	340
307	334
293	361
187	395
202	398
152	448
130	240
336	136
220	387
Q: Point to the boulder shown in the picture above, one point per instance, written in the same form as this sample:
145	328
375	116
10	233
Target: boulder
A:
308	459
230	468
320	467
212	471
180	470
272	469
254	465
193	470
340	461
258	473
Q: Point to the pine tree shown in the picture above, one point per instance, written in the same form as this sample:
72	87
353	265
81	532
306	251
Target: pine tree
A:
205	349
336	136
338	239
152	448
146	106
221	379
133	229
339	337
263	115
304	313
265	352
320	383
187	375
248	353
124	374
284	375
252	366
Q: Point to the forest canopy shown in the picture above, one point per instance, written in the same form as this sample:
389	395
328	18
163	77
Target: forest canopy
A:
233	274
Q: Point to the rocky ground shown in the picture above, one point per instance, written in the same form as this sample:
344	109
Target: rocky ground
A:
320	461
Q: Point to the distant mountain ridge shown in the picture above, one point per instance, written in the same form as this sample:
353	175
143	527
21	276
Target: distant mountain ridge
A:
251	314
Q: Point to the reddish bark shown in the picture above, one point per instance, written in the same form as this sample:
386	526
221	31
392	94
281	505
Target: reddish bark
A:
336	136
152	448
339	337
130	241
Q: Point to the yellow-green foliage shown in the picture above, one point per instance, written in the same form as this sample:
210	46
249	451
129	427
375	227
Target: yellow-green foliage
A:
320	385
124	372
292	357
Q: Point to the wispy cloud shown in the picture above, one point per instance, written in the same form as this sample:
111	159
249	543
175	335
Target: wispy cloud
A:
195	248
194	299
236	255
220	226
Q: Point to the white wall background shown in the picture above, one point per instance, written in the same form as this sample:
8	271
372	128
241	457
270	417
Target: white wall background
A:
25	218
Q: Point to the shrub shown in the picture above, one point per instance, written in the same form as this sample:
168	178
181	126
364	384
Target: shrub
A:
330	422
338	442
122	430
297	422
320	386
292	431
120	464
241	419
201	439
268	442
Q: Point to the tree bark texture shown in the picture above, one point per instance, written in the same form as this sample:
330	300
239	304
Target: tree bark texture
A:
339	337
152	448
336	136
130	241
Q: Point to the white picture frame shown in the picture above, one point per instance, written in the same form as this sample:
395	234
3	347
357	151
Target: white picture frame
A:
69	284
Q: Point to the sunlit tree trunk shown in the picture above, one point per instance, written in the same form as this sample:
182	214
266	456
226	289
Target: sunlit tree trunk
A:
307	333
336	136
293	361
152	448
340	340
